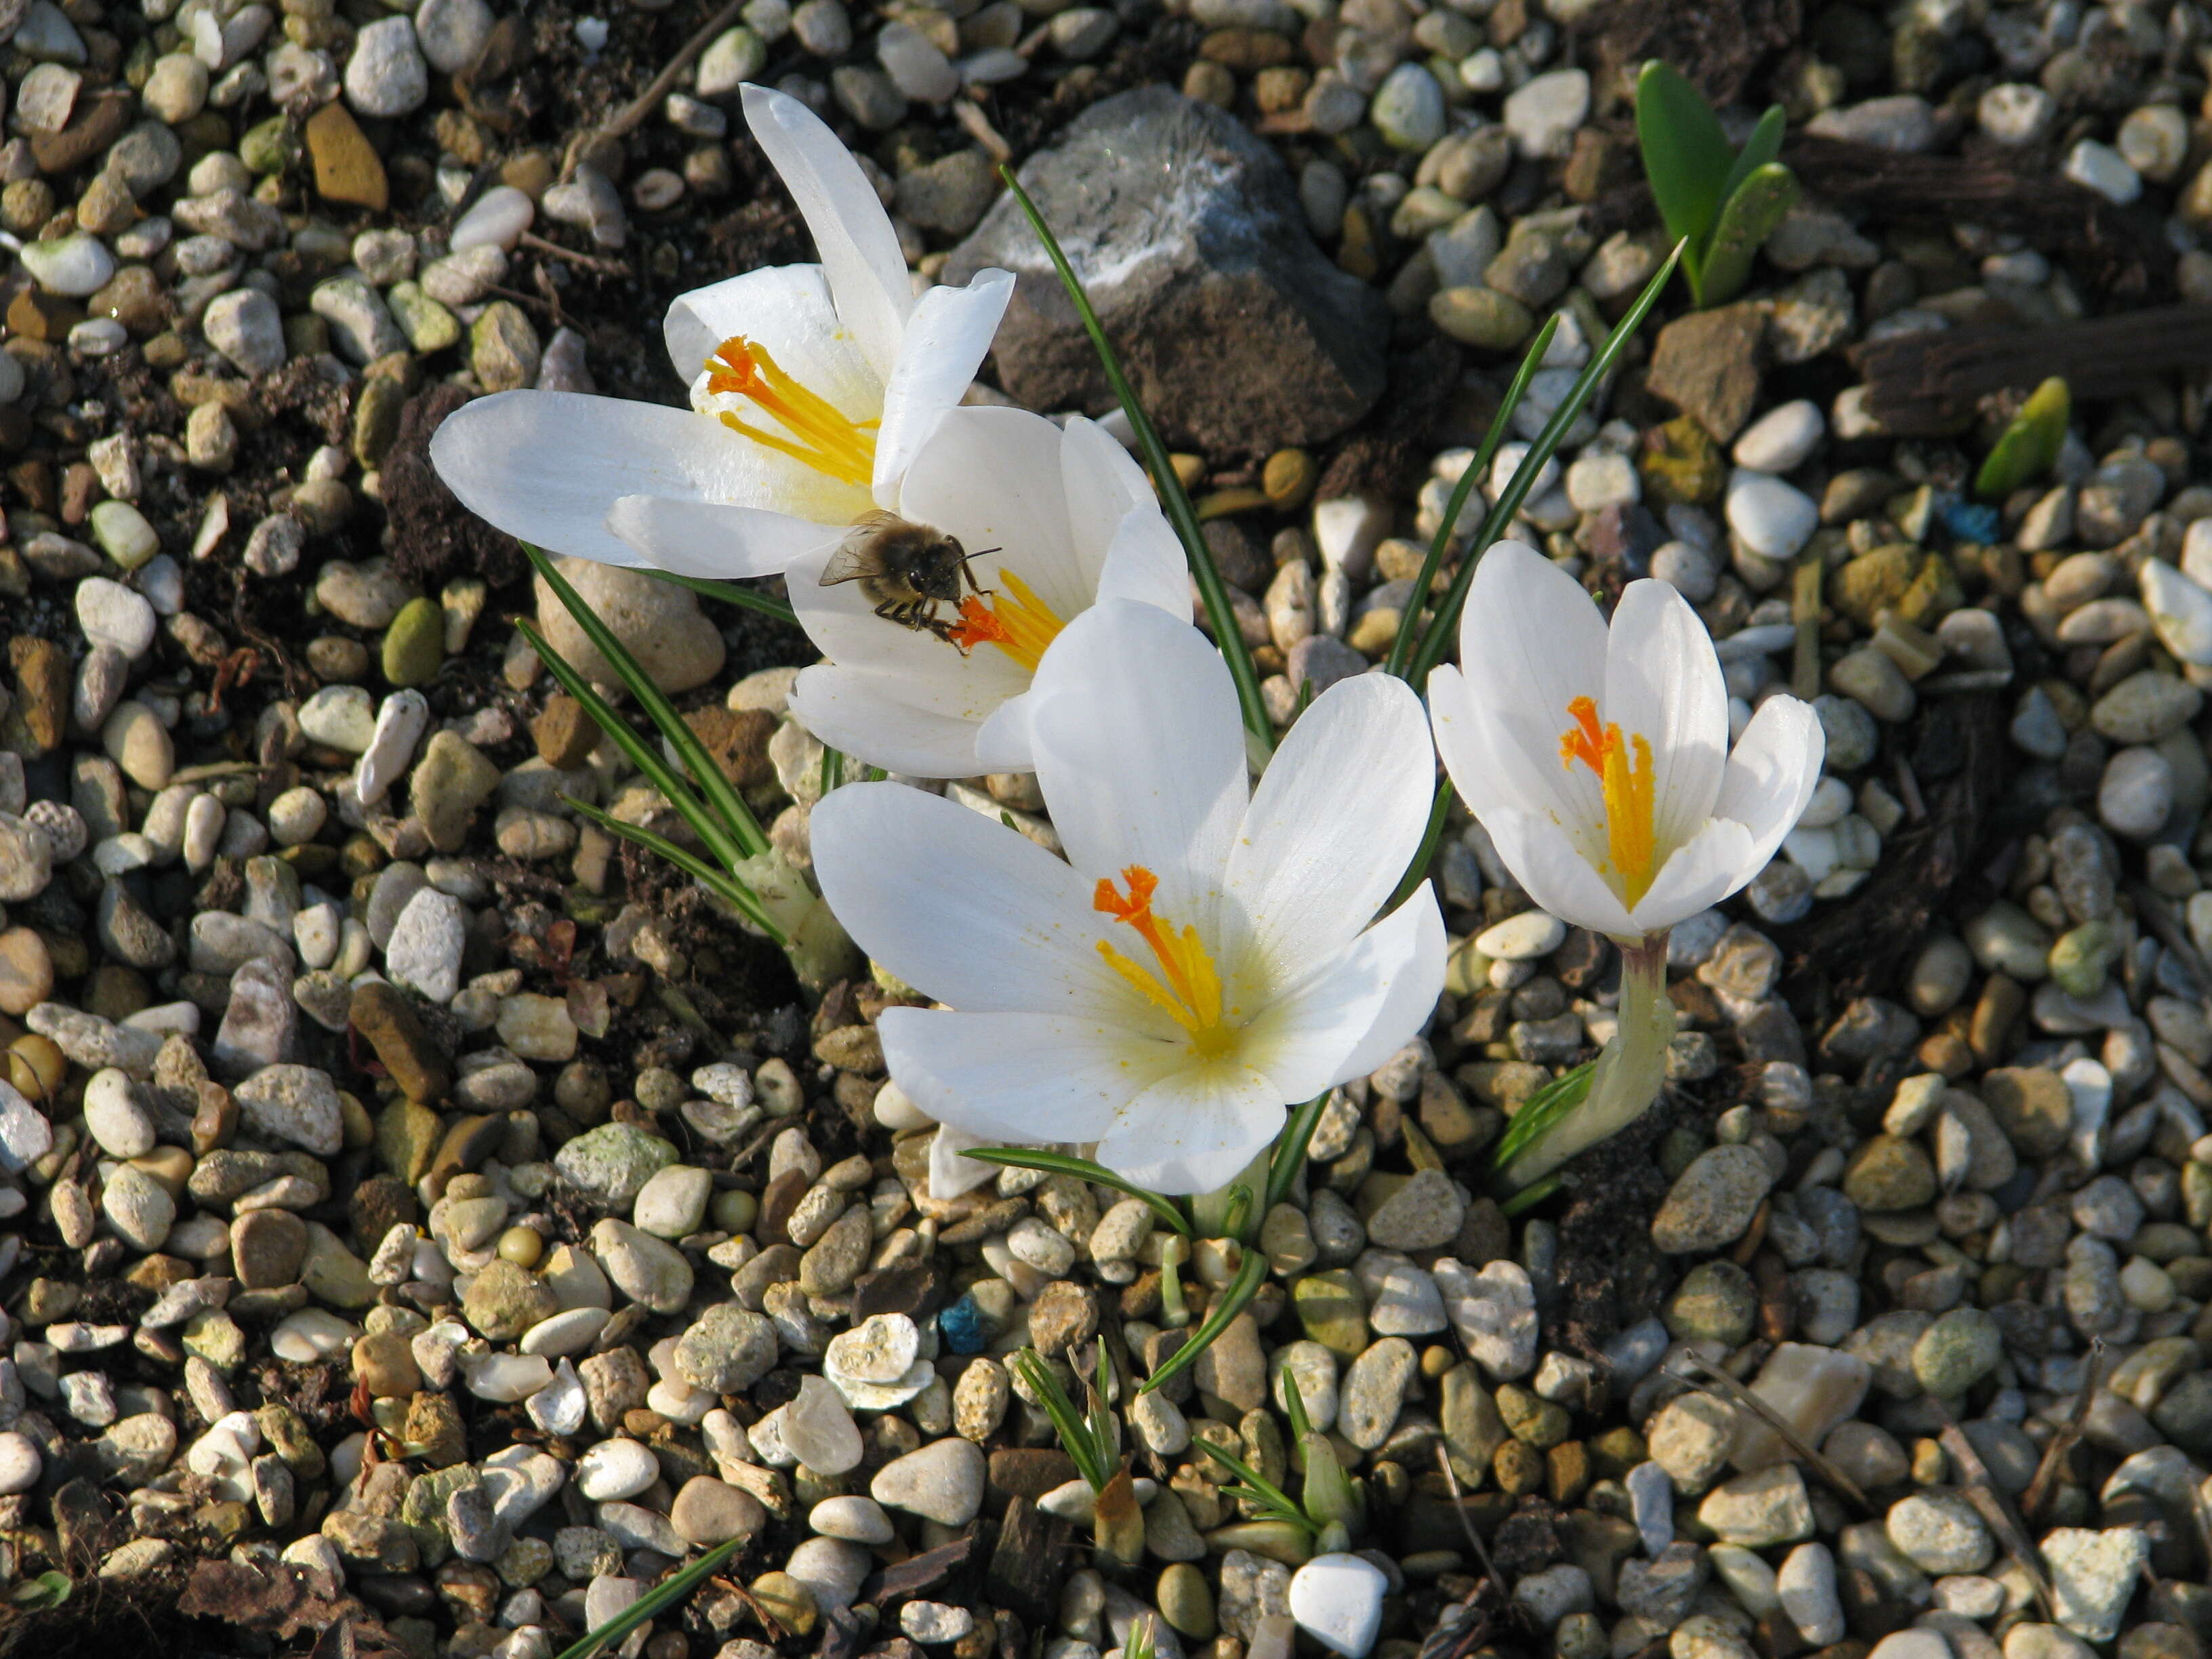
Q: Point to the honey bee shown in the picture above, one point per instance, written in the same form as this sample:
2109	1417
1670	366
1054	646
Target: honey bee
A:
909	569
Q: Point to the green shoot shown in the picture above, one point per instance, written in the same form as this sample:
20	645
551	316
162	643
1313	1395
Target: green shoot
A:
47	1590
2029	446
1140	1645
1290	1154
1234	1297
738	865
833	767
1255	1488
1418	871
729	593
1720	203
1401	649
1549	1106
1175	500
1090	1439
1438	640
1530	1196
1240	1211
666	1594
1294	1406
1027	1157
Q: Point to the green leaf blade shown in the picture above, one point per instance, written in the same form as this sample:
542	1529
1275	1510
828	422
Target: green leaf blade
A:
1747	220
664	1595
1031	1157
1685	155
1175	500
1764	145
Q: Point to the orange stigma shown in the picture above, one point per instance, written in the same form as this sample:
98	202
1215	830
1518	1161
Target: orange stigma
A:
815	433
1014	619
1628	785
1185	987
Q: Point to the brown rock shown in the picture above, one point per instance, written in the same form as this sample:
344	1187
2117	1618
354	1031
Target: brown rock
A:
566	735
384	1015
37	315
1708	363
99	122
347	168
736	739
42	686
268	1247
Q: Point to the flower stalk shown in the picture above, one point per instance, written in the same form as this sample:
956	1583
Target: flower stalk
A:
1627	1076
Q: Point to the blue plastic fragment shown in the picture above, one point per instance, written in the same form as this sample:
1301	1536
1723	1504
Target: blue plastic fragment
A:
961	1324
1972	521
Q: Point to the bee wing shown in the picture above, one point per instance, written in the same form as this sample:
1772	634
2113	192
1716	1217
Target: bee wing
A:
847	564
855	557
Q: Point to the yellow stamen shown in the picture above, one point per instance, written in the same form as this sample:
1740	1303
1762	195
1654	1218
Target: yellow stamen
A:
1629	796
814	432
1186	988
1014	619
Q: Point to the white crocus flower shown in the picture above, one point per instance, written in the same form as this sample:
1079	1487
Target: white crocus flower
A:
1205	955
811	386
1598	761
1053	522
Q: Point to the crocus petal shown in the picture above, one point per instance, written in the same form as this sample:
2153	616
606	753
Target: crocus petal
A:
706	538
842	622
1140	753
958	905
1531	642
1551	872
547	465
1494	774
1333	823
1193	1131
1103	484
852	232
788	309
1360	1009
992	476
863	712
1662	681
1772	772
1002	742
1699	874
1018	1077
943	347
1143	561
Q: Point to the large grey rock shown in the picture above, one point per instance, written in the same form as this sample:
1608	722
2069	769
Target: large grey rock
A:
1187	232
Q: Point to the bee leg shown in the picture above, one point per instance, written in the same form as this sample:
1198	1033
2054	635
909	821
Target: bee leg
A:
974	586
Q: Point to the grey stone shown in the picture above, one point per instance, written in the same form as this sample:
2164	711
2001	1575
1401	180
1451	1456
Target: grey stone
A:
1239	334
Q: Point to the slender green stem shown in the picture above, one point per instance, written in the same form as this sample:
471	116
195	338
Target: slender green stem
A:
669	1591
1501	424
1418	871
1291	1150
721	840
1175	500
1438	640
1028	1158
729	593
1234	1297
719	881
717	789
1529	1197
833	767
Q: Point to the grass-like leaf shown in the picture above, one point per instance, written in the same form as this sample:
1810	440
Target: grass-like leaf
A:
1439	639
2029	445
1542	1110
1409	619
1686	156
729	593
1291	1150
1140	1645
833	767
1418	871
718	880
1028	1158
1255	1488
1747	219
1234	1297
1529	1197
1294	1406
666	1594
1175	500
1095	1454
719	837
718	791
